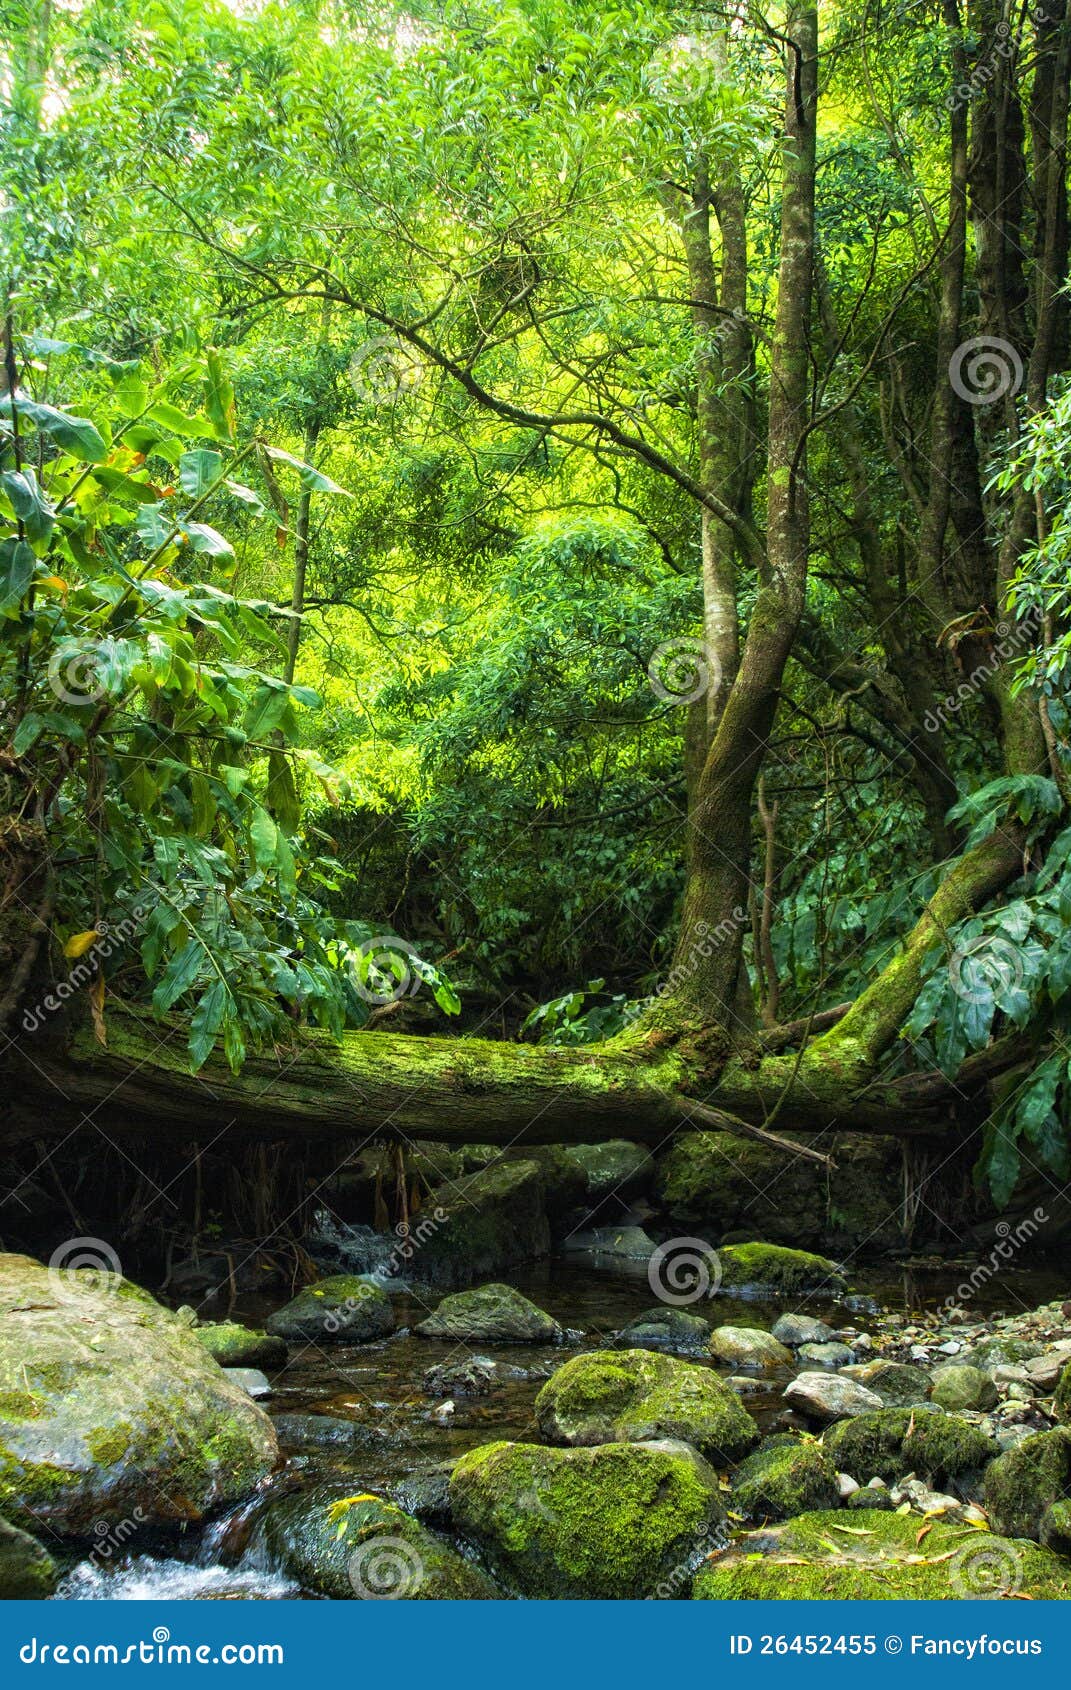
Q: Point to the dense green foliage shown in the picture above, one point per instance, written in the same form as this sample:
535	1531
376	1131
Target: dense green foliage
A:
393	606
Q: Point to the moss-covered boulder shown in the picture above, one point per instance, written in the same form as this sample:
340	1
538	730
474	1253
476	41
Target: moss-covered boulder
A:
769	1270
1025	1482
783	1477
615	1521
895	1441
27	1570
492	1314
365	1548
110	1405
877	1556
238	1346
1056	1527
673	1330
629	1396
897	1383
747	1349
967	1387
714	1184
494	1220
343	1307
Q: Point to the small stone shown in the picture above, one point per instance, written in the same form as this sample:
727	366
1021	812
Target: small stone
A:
1020	1393
797	1329
847	1485
826	1397
951	1348
826	1355
748	1347
251	1380
958	1388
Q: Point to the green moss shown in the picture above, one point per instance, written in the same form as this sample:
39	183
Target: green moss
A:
820	1557
615	1396
1056	1527
1024	1482
238	1346
1062	1399
109	1444
891	1442
609	1522
20	1405
777	1269
785	1476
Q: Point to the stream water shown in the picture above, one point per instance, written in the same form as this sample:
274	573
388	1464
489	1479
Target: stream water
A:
395	1431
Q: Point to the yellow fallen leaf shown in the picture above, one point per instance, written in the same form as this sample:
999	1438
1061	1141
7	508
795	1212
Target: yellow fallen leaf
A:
79	943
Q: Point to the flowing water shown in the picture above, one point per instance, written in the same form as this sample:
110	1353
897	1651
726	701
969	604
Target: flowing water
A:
366	1416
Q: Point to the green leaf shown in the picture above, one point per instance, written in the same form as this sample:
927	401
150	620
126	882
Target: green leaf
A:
198	470
17	566
75	435
311	478
28	731
281	795
29	503
206	1021
208	541
219	397
263	839
179	976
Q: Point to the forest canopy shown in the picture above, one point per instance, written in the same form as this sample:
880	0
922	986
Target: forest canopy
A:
539	524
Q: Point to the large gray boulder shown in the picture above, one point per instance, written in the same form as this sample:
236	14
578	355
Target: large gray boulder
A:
111	1410
491	1314
492	1221
344	1308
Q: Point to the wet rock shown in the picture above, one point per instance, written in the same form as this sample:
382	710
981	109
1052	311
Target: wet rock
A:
618	1521
108	1404
893	1442
365	1548
785	1476
768	1270
1023	1483
897	1383
959	1388
426	1494
749	1349
930	1502
673	1330
713	1185
1003	1350
1044	1370
498	1221
826	1355
825	1397
27	1570
343	1308
320	1431
493	1314
817	1556
237	1346
251	1380
476	1376
609	1396
797	1329
606	1245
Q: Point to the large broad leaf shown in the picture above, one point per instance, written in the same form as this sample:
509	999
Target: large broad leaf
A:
219	397
75	435
207	1018
206	540
16	573
198	470
29	503
179	976
313	479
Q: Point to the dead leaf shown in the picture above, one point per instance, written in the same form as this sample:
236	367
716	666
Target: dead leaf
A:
96	1010
78	943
